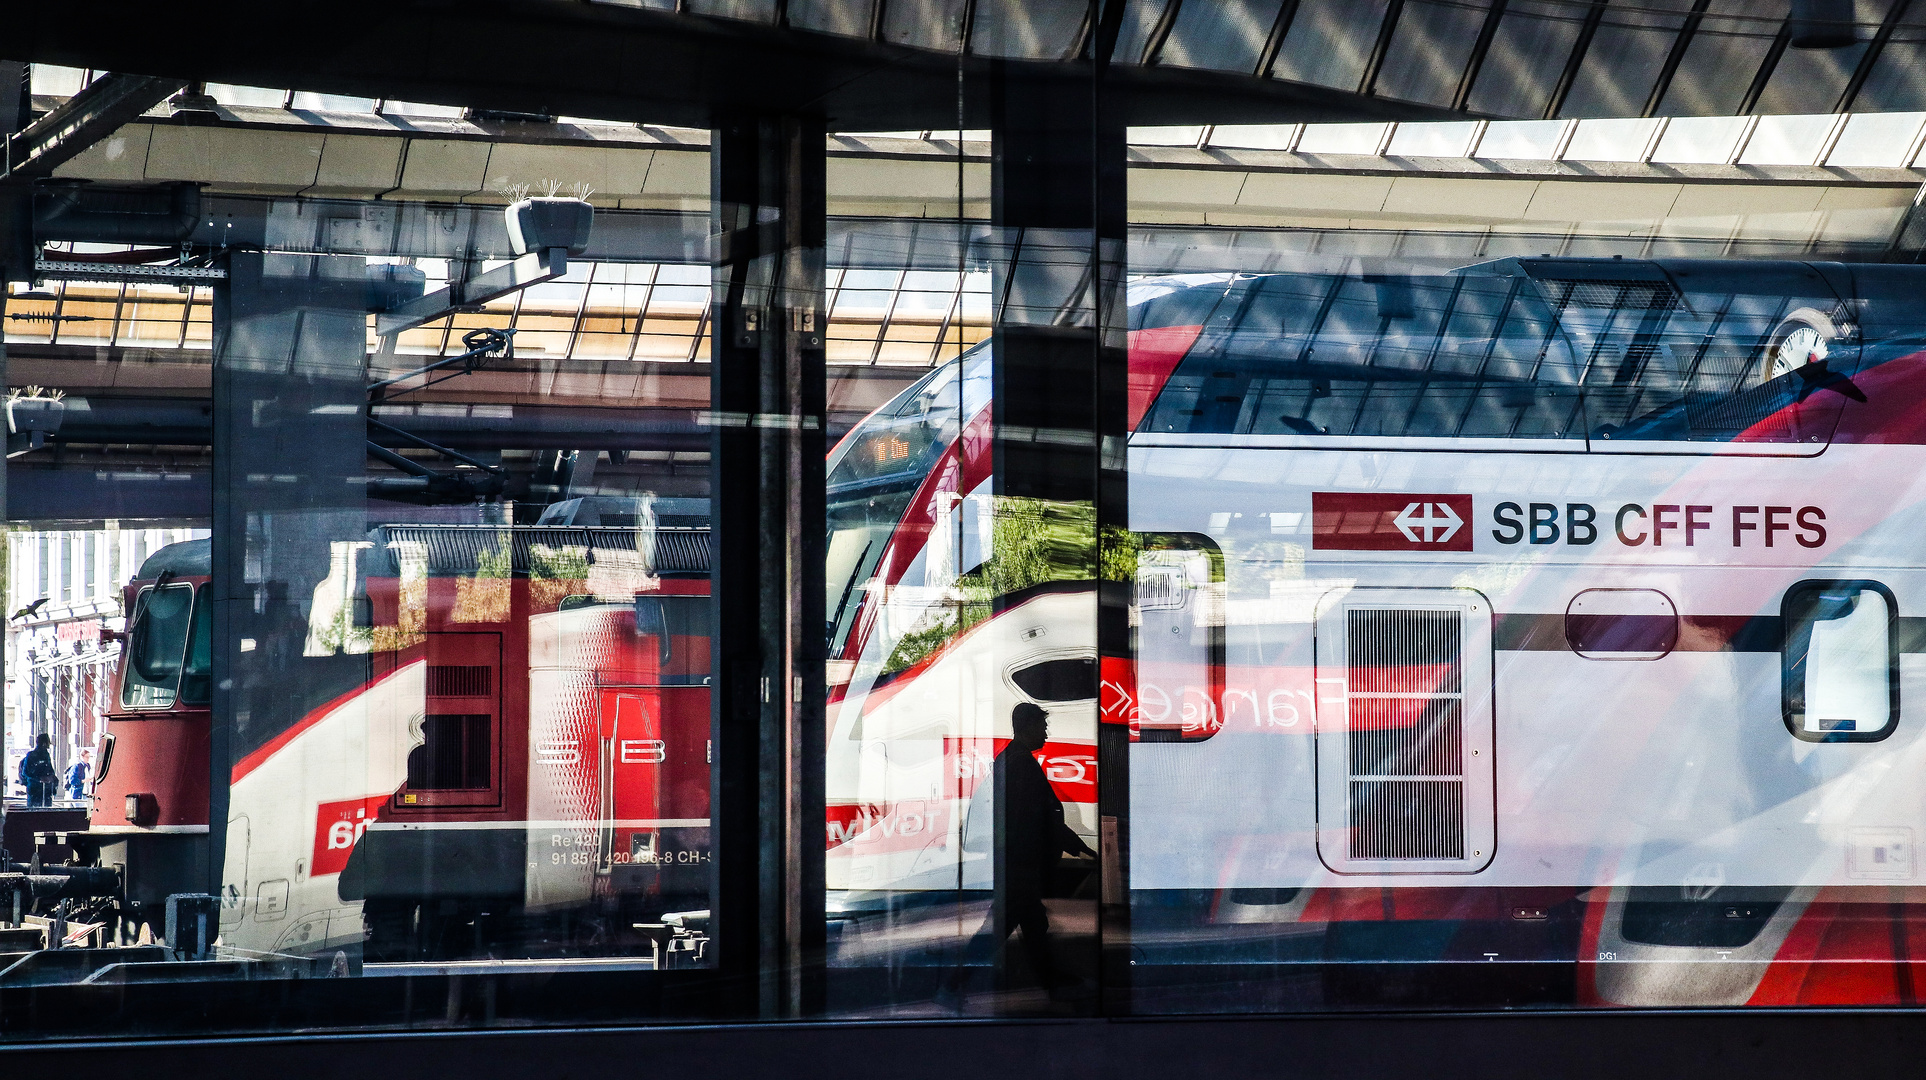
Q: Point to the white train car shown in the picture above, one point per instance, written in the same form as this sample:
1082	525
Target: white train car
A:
1562	609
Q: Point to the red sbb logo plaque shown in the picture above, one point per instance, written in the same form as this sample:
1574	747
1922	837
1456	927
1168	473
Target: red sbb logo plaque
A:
1389	521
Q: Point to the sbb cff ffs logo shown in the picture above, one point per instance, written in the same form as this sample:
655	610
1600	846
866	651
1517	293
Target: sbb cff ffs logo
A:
1375	521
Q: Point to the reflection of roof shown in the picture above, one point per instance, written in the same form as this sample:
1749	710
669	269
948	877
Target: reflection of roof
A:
885	62
540	550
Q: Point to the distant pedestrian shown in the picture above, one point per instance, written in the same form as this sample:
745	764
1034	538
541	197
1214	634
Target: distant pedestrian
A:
78	774
37	772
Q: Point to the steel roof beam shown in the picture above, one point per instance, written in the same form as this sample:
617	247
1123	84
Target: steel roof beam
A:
81	121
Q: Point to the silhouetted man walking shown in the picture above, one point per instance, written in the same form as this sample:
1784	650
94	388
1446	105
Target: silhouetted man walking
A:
1030	833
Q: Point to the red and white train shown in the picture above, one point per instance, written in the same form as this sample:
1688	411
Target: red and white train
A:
1554	612
515	763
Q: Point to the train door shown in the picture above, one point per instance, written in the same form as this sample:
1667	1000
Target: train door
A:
632	753
654	739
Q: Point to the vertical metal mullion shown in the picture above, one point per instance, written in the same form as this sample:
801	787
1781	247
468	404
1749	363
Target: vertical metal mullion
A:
1873	50
1766	67
1393	11
581	309
1681	42
768	198
642	311
1580	46
1058	179
1479	49
889	316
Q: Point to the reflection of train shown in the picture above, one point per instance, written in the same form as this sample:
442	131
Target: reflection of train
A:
504	751
1545	610
923	675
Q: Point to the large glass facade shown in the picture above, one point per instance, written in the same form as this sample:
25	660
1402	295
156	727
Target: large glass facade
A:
1118	509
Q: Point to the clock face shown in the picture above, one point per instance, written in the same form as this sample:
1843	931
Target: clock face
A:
1802	346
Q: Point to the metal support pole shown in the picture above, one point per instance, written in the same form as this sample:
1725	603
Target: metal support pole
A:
289	464
768	400
1059	376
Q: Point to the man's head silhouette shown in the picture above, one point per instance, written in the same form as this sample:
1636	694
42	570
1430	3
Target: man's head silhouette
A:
1029	726
44	741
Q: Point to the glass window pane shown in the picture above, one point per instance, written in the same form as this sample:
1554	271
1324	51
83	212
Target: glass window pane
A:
1528	53
1341	138
1428	51
1786	140
1700	139
1225	36
1610	140
1717	68
1329	44
1623	61
1431	140
1529	139
1880	140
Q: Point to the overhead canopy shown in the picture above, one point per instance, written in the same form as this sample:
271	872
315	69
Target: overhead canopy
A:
876	65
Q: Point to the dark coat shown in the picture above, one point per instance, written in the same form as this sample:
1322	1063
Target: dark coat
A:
1030	829
38	767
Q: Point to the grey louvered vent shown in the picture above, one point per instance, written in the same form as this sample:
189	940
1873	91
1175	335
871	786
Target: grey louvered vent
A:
1406	734
1404	731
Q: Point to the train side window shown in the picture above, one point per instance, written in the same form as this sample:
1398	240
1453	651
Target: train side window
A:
1067	679
1609	354
1687	350
1376	355
1177	642
1840	664
197	672
680	625
156	647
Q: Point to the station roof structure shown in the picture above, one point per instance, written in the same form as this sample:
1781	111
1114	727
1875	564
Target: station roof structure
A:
898	64
1260	130
908	287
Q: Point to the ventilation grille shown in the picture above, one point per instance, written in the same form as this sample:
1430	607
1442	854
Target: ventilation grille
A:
1404	740
1612	295
454	753
459	680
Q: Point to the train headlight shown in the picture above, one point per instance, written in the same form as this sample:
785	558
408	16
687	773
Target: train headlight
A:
143	808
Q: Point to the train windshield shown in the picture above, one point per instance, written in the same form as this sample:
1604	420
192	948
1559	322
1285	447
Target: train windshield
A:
680	627
197	671
877	468
161	666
